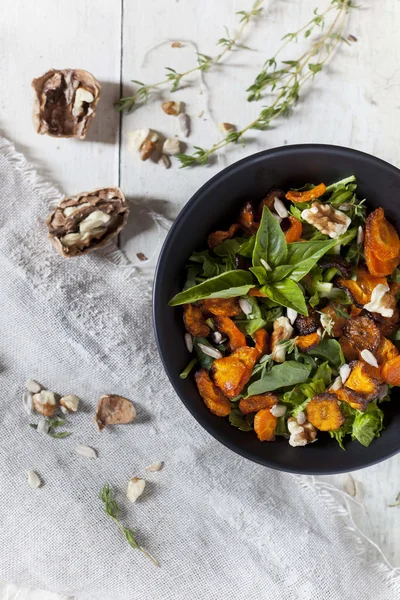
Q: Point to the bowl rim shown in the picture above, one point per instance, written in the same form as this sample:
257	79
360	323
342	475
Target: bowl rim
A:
196	197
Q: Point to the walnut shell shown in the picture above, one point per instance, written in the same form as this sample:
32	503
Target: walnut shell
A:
59	109
114	410
73	227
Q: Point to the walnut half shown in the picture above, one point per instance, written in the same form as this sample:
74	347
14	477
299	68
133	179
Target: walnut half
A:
326	219
88	221
65	102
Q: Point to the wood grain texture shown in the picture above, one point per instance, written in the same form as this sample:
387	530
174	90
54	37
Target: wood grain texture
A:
354	103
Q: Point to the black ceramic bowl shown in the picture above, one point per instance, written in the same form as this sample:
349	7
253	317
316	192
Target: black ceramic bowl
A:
215	206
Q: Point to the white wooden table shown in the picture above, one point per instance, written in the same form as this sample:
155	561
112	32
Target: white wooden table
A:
355	103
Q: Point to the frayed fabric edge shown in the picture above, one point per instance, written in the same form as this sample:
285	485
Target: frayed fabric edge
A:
390	575
51	195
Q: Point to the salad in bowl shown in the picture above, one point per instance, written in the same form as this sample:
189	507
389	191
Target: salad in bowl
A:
291	316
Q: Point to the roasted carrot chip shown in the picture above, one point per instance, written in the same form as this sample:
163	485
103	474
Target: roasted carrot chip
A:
363	333
377	266
324	413
257	293
353	290
226	326
194	321
338	322
213	398
305	325
247	219
391	371
381	237
307	195
349	350
293	234
231	373
355	311
307	342
253	404
386	351
355	400
364	379
261	338
387	325
264	425
222	307
216	238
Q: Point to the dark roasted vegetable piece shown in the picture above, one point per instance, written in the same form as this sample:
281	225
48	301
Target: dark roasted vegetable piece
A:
363	333
236	338
223	307
253	404
352	398
269	200
349	350
195	321
364	379
324	413
338	262
88	221
247	219
217	237
305	325
65	102
386	325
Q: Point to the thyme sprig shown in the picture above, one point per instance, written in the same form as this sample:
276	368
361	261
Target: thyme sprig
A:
287	82
173	78
112	510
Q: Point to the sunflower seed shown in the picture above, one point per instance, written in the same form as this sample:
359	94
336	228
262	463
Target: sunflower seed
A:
135	488
276	216
301	418
291	315
210	351
265	265
189	342
245	306
217	337
344	373
33	386
360	235
86	451
27	402
33	480
184	124
157	466
280	208
43	426
369	358
336	385
164	161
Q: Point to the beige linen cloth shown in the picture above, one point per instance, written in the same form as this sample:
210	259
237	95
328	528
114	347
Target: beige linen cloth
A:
221	527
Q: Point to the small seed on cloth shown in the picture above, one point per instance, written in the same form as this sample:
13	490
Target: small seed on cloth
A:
184	124
135	488
164	161
33	480
33	386
27	402
43	426
114	410
157	466
86	451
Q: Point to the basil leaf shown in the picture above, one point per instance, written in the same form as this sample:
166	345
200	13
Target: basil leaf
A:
211	266
270	314
330	350
270	244
342	184
238	420
256	310
192	273
246	249
288	373
323	372
346	238
260	274
368	425
302	251
280	273
228	250
227	285
287	293
254	325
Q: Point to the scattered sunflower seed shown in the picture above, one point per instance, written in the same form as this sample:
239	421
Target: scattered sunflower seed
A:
278	410
189	342
360	236
157	466
184	124
27	402
171	146
33	386
43	426
369	358
280	208
86	451
64	410
135	488
164	161
344	372
33	480
217	337
245	306
209	351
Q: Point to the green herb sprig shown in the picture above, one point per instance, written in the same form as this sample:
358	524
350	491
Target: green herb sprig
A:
54	423
173	78
112	510
285	81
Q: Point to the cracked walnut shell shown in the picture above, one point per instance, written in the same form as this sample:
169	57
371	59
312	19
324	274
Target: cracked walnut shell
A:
88	221
65	102
114	410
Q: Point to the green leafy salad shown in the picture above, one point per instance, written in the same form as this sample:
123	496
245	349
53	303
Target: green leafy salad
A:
291	315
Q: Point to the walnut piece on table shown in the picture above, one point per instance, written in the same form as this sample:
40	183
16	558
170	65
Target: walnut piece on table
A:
65	102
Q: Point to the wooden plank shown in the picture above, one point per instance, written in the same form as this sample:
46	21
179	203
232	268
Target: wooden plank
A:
59	34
